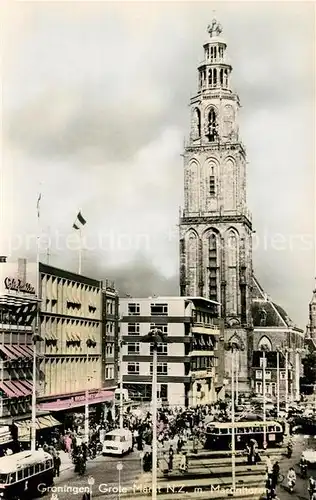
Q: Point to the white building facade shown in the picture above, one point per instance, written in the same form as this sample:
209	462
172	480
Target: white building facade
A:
187	360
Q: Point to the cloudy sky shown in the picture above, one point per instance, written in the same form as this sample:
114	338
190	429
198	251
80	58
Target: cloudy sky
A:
94	114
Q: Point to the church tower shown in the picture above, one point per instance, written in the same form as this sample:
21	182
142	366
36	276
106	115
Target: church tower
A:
215	224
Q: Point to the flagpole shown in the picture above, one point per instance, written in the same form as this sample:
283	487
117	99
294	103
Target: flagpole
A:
37	330
80	251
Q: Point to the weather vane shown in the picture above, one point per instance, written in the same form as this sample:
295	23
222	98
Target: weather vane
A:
215	28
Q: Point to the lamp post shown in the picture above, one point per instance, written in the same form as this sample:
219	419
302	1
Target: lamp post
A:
278	383
154	337
264	349
233	347
89	343
286	380
237	373
36	338
121	382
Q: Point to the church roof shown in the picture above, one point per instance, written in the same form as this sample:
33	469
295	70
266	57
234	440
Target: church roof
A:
266	313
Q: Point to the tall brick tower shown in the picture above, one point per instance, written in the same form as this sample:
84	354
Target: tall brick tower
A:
215	225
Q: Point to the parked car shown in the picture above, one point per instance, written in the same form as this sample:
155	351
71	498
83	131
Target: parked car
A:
309	456
118	442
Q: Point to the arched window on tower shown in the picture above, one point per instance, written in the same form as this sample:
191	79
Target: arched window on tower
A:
212	53
192	256
221	77
211	126
225	78
214	77
196	124
212	190
215	52
210	77
212	267
229	117
232	258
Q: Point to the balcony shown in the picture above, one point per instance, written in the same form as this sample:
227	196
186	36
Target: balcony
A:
202	353
200	374
205	329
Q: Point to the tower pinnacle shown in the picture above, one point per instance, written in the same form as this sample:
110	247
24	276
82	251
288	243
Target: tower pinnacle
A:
214	29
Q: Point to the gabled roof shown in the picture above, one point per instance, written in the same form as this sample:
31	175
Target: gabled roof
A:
266	313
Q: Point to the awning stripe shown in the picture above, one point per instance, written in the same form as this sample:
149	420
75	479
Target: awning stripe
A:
7	352
21	387
19	351
29	350
14	388
22	351
27	383
15	354
7	391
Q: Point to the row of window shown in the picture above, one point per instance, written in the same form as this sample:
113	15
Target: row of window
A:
110	350
25	473
109	372
203	317
110	307
203	363
134	348
212	53
133	368
259	374
110	327
134	328
155	309
215	77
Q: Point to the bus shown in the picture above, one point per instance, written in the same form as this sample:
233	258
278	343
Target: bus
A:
219	434
24	475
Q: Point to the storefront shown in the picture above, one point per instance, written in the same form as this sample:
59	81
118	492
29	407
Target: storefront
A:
64	404
45	427
6	439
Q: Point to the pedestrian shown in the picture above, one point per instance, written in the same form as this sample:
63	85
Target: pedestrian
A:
57	464
275	474
184	463
269	468
170	459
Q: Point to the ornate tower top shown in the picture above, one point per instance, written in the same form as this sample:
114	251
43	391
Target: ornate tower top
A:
214	29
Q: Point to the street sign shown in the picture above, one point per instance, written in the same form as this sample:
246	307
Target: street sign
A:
91	480
119	466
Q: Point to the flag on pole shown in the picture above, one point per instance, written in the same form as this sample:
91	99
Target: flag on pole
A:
38	205
79	222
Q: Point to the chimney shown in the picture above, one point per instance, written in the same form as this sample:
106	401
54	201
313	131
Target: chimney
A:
22	270
3	259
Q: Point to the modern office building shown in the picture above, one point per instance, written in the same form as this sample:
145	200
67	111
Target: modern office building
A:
75	348
190	361
76	356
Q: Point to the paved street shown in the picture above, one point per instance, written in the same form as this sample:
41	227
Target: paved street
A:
105	473
106	476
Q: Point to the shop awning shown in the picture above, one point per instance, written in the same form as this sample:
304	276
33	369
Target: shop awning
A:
15	388
24	426
8	353
101	396
14	351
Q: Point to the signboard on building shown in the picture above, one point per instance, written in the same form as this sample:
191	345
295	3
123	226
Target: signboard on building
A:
17	286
